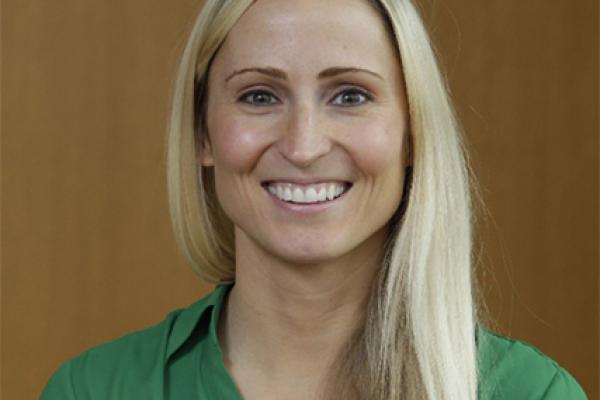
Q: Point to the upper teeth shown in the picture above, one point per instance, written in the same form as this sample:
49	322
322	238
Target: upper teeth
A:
306	193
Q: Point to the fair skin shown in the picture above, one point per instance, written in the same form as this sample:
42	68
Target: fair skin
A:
303	271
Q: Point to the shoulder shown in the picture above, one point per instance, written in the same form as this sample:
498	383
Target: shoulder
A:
514	369
112	367
134	366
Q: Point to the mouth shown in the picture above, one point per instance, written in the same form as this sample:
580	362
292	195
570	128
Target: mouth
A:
307	194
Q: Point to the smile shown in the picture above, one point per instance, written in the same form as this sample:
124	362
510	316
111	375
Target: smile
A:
307	194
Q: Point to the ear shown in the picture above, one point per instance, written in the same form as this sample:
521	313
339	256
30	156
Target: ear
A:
205	154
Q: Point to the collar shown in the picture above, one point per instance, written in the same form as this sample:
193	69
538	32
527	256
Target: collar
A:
188	318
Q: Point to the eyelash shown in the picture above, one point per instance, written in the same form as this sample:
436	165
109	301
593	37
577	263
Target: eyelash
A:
368	96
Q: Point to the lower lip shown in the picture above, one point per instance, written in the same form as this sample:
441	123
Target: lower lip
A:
307	209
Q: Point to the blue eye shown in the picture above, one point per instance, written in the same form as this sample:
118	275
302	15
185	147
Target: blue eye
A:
258	98
352	97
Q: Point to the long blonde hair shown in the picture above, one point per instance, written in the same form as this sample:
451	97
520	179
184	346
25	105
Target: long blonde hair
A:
418	336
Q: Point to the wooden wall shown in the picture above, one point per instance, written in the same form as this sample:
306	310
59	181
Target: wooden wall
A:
86	248
524	76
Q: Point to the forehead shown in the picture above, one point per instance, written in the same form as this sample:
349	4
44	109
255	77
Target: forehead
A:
310	33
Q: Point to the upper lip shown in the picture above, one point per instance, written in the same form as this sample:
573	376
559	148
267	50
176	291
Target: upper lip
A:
304	181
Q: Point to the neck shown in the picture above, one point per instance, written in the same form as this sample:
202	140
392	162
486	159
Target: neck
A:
287	320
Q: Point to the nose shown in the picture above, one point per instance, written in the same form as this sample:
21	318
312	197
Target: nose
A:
304	139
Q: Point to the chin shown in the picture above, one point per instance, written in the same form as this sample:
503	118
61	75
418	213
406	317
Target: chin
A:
307	254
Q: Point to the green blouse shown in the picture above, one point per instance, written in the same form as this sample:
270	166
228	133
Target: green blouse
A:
180	358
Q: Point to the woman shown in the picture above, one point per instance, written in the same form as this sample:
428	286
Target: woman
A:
317	176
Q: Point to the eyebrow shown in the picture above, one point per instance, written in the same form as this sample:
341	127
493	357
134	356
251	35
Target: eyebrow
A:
279	74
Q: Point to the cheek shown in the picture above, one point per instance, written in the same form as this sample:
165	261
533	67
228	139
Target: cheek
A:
376	146
237	145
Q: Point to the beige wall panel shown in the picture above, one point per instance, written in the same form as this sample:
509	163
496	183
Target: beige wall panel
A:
87	252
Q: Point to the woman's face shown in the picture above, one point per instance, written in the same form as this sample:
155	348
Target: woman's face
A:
306	100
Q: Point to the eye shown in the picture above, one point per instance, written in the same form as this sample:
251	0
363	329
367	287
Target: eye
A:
353	97
258	98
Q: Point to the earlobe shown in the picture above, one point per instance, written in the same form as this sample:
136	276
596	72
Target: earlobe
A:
205	155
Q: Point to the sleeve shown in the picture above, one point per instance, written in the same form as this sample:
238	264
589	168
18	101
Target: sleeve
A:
60	386
564	387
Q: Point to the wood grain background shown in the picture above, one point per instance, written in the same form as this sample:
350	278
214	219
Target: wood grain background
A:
86	248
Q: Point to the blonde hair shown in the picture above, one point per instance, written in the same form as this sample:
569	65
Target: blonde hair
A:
418	336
